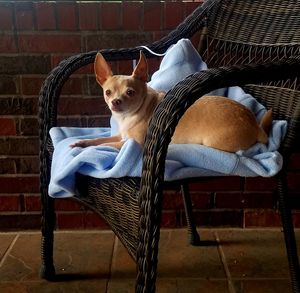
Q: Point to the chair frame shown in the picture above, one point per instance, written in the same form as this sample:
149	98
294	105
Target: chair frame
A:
145	194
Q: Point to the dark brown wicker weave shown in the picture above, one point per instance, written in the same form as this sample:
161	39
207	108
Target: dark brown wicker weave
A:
247	43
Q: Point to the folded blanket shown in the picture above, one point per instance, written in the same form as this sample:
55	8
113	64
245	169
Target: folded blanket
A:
183	161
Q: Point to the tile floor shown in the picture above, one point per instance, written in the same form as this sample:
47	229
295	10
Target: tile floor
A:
234	261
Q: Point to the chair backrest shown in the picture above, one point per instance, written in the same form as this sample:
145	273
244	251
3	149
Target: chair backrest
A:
254	31
251	31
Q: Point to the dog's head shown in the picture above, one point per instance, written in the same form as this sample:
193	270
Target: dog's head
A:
124	94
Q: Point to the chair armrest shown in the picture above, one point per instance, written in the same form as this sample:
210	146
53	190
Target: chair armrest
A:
177	101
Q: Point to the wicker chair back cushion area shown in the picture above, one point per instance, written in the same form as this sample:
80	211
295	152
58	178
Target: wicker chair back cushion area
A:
250	43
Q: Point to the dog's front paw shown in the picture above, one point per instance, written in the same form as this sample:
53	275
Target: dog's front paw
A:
81	143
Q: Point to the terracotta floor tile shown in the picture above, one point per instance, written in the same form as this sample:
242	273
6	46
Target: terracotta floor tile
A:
179	259
78	256
166	285
200	285
255	253
59	287
84	254
23	260
6	241
88	262
263	286
123	265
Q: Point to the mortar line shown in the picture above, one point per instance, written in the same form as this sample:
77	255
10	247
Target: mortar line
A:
7	252
224	263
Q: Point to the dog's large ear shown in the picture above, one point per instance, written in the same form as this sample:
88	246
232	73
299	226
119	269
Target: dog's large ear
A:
141	70
102	69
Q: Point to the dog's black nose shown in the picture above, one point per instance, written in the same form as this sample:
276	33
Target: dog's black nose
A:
116	102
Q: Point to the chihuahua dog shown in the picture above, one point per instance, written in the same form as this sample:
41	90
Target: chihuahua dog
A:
213	121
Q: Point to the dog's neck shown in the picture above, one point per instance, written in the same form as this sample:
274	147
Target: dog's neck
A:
141	116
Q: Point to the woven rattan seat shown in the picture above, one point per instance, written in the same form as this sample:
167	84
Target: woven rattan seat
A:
254	44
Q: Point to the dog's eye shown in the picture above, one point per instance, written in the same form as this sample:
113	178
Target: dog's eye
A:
130	93
108	92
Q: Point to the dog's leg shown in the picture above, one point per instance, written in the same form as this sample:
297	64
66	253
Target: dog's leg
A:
117	144
96	141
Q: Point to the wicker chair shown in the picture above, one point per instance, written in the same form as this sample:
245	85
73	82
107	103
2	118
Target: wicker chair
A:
251	43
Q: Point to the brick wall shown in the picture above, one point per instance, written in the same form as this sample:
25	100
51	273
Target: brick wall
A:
34	37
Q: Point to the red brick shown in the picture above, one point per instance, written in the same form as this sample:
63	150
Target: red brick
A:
125	67
7	126
87	69
18	145
28	165
71	220
9	84
98	121
66	16
24	16
238	200
172	200
9	203
93	220
132	15
67	205
153	15
6	17
41	43
32	203
45	16
262	218
75	106
7	166
8	44
88	16
26	184
73	86
296	219
201	200
72	122
31	85
191	6
116	39
174	14
28	126
294	181
18	106
263	199
216	184
56	59
16	222
111	16
295	162
259	184
219	218
170	219
153	65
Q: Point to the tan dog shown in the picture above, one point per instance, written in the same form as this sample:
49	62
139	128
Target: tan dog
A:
213	121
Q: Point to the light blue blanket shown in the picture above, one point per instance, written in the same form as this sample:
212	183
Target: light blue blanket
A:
183	161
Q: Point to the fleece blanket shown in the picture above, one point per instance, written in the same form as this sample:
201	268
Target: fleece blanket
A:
183	161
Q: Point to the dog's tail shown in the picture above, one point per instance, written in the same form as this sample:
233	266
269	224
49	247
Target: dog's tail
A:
265	126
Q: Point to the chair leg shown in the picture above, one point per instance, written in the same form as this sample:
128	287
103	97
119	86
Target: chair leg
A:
289	234
47	270
147	263
194	238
